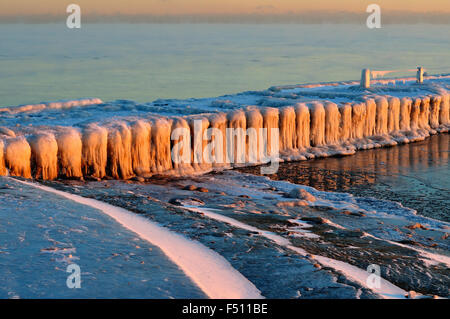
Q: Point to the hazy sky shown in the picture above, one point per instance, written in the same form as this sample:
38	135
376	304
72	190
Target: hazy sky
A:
176	7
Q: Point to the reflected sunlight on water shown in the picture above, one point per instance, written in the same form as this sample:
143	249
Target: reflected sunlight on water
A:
414	174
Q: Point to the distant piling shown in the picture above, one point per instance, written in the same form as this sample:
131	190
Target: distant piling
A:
420	72
365	78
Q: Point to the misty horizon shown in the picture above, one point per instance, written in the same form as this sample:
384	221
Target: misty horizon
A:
307	17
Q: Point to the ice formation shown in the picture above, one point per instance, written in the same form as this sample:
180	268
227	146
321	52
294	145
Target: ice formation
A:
141	147
194	136
181	145
18	157
160	158
255	143
358	120
218	123
119	152
287	128
44	156
382	116
332	120
95	148
317	129
302	126
271	119
2	159
346	122
236	140
394	115
405	114
201	159
70	153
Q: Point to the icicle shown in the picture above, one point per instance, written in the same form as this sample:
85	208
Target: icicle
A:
415	113
303	126
255	137
236	137
371	118
181	145
2	159
358	120
382	116
141	147
18	157
317	130
394	114
161	153
444	116
345	126
405	114
332	121
287	128
44	156
434	111
271	121
119	152
95	150
201	160
69	153
218	121
424	121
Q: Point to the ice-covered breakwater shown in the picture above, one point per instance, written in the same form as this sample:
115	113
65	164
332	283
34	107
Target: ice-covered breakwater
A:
194	136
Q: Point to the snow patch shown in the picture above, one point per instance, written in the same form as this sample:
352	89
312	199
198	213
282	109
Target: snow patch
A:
210	271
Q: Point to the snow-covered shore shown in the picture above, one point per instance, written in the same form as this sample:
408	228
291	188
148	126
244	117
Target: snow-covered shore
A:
229	226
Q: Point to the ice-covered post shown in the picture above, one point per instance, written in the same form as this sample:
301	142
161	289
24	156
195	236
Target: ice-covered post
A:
365	78
419	75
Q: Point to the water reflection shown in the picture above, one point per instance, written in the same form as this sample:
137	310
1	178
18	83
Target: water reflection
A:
417	175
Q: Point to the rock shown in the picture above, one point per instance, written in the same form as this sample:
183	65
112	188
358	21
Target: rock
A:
409	242
187	201
138	179
190	188
292	204
302	194
347	212
411	294
317	266
93	179
315	220
6	131
417	225
244	196
202	190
